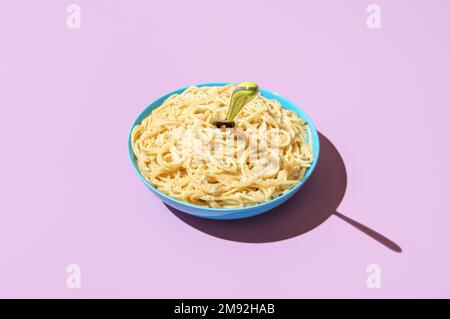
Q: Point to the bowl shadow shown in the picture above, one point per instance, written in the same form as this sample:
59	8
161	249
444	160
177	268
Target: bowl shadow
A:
313	204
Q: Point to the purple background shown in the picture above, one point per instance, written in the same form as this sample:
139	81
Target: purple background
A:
69	193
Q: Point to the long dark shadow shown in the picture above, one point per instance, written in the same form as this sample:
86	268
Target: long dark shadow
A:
314	203
370	232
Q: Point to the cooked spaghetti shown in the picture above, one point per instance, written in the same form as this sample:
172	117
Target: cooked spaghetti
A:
181	153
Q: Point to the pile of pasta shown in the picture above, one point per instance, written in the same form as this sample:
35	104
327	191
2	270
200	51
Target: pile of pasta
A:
184	155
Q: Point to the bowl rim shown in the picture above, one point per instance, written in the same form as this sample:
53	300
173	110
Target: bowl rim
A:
286	196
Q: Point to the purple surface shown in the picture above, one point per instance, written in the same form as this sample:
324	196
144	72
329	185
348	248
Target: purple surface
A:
69	194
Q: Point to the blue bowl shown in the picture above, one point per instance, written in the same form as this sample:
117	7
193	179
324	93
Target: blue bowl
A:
228	213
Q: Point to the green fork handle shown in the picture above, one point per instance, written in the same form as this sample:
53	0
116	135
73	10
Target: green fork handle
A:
242	94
